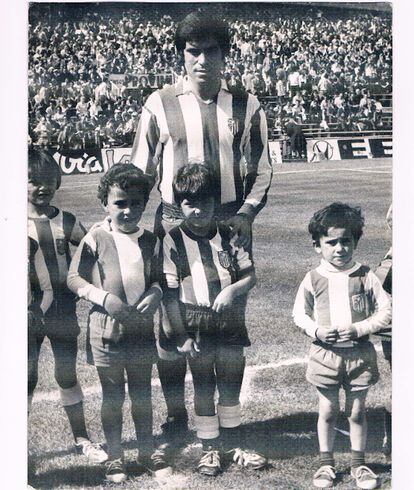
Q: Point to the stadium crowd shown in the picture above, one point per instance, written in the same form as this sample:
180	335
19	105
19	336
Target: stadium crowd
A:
321	67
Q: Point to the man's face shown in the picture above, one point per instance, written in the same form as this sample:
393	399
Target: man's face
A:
203	61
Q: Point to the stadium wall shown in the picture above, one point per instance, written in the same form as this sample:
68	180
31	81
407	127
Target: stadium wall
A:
99	160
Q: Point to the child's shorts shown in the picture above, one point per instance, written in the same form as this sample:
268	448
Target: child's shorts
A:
103	352
353	368
60	321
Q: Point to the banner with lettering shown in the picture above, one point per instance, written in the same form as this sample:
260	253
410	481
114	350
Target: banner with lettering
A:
348	148
79	161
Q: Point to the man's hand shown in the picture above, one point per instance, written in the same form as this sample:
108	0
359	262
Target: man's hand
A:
347	333
190	348
224	299
149	301
241	225
328	335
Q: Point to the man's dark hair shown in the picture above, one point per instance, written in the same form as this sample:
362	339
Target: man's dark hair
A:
336	215
198	26
42	164
124	176
193	181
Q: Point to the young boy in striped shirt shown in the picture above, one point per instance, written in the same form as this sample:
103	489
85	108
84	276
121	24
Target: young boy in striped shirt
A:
116	268
206	276
339	304
55	233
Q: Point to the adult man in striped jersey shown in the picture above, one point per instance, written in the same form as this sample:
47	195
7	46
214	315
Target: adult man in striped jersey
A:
201	119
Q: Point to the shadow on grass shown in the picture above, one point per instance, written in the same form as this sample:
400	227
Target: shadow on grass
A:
281	438
81	476
295	435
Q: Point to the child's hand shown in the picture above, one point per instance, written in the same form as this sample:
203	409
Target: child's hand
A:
115	307
328	335
149	301
347	333
224	299
190	347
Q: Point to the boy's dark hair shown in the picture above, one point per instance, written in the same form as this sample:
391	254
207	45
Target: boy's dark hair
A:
336	215
124	176
193	181
42	164
199	25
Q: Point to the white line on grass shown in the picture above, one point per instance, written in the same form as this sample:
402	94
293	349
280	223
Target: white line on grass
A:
249	373
335	169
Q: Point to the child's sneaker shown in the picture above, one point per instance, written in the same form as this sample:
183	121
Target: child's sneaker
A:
250	460
364	477
93	452
115	471
209	464
324	477
156	463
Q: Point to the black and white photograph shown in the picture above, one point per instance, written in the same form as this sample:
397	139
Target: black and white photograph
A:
209	245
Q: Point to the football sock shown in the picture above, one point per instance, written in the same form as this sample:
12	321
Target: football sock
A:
326	458
172	375
231	438
210	444
357	458
77	420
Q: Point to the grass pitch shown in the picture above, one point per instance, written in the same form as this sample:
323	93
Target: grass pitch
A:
279	406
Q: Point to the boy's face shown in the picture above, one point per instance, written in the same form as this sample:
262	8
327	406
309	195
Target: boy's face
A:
198	213
125	208
337	247
41	189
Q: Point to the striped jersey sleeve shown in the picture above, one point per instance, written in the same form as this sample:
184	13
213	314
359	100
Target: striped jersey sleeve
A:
108	261
303	310
229	134
39	286
201	267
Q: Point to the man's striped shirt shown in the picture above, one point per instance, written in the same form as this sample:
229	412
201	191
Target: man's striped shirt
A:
328	297
39	286
55	235
201	267
108	261
230	134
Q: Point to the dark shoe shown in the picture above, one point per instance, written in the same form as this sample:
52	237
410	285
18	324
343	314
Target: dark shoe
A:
115	471
156	463
209	464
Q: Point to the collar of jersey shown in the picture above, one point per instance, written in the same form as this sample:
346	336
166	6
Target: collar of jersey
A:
326	268
55	212
211	234
184	86
106	225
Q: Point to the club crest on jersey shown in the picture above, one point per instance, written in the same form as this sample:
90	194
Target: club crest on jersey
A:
233	125
225	259
61	246
358	303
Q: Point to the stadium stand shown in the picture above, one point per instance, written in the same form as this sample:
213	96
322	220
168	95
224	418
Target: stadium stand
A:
91	67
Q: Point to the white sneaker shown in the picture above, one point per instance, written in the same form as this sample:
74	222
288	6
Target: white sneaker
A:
324	477
365	478
93	452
